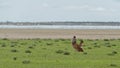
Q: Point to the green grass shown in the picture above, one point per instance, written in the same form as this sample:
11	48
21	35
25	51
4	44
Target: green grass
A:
59	53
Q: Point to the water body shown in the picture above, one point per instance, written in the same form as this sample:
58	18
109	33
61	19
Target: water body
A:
58	27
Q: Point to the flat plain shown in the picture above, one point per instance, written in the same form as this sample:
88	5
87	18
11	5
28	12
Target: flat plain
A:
52	49
58	53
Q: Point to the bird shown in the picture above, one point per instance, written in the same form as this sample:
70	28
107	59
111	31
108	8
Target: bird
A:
76	46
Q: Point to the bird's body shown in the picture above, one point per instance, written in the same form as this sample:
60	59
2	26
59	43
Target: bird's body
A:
76	46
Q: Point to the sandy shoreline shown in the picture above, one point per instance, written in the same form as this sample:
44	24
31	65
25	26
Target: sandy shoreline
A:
59	33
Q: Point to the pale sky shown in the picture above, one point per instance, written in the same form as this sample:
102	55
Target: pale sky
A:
59	10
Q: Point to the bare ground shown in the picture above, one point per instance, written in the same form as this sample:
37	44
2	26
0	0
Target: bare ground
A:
59	33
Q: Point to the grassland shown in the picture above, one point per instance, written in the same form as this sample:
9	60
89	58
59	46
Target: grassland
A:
58	53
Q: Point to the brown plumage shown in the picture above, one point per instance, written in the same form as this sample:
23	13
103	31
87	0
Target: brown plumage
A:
77	46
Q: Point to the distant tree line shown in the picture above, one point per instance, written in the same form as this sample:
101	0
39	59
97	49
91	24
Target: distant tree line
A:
61	23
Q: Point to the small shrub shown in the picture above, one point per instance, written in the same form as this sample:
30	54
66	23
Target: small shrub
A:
4	39
66	53
56	40
34	45
14	50
59	51
62	39
89	48
85	53
95	43
113	65
26	62
14	58
114	52
114	45
3	45
106	39
97	46
30	47
108	45
11	46
96	39
39	41
49	44
23	43
28	51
